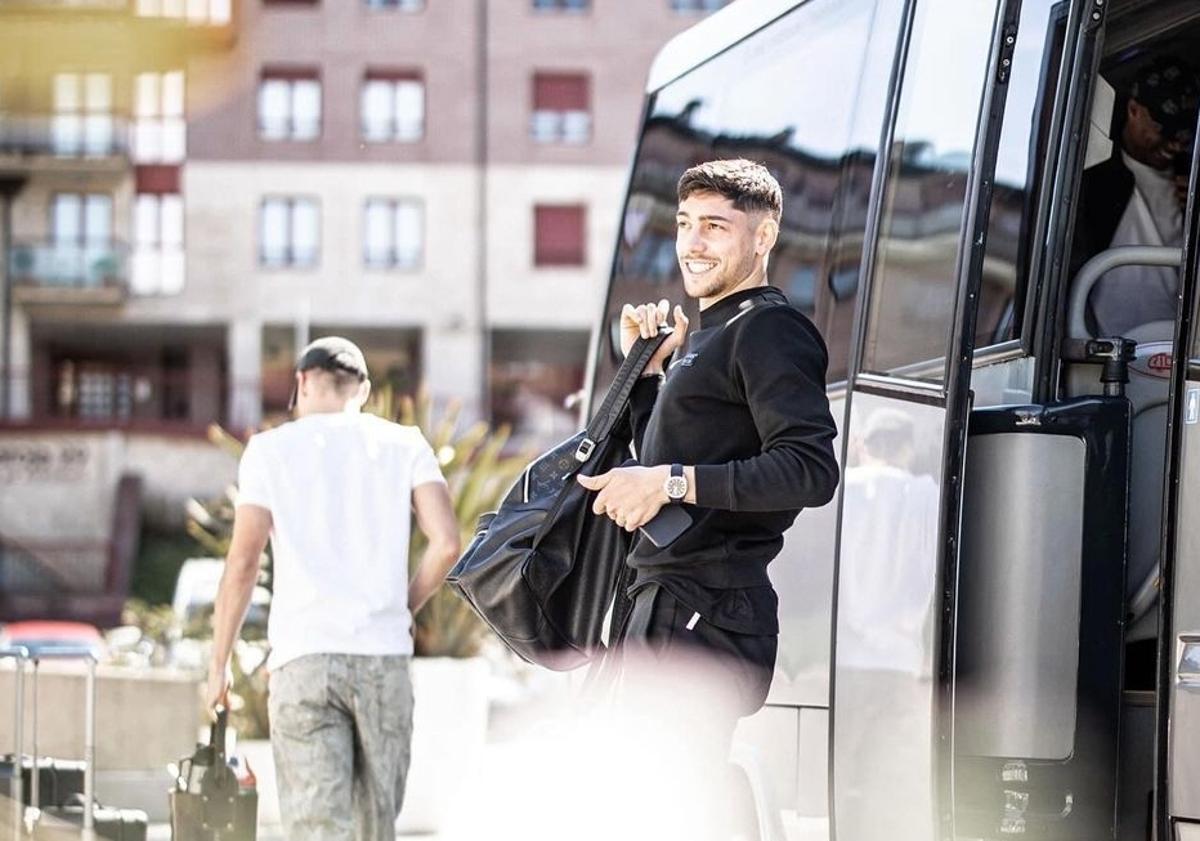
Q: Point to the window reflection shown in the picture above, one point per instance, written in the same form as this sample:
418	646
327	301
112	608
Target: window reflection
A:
923	204
913	294
1021	154
794	110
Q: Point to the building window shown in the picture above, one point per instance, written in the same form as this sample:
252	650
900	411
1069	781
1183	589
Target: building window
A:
702	6
397	5
289	104
157	263
81	220
393	233
561	108
199	12
393	106
159	129
562	5
83	118
559	235
289	233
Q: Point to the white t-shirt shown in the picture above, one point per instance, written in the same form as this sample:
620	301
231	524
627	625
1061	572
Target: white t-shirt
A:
339	489
1130	296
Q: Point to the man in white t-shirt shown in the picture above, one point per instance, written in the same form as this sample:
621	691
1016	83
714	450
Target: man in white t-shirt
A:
1137	197
334	491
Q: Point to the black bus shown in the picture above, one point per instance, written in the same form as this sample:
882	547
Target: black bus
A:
993	631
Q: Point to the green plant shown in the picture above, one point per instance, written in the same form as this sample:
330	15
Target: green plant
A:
478	474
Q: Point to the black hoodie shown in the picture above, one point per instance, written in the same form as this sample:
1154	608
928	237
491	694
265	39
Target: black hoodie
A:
746	405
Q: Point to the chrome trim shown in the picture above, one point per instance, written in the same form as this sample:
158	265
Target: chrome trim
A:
920	388
995	354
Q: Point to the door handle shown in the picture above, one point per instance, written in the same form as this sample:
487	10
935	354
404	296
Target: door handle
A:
1187	662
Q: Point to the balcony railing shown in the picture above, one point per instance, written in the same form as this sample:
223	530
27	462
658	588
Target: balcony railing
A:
101	266
70	136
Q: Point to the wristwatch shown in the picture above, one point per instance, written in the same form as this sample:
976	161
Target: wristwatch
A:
676	484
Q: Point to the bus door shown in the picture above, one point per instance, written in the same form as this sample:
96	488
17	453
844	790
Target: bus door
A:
926	268
1177	782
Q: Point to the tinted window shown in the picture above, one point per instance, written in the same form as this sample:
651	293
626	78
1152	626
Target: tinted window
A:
798	110
1022	152
913	285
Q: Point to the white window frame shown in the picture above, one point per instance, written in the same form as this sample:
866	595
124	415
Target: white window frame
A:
157	264
292	92
409	6
291	209
696	7
160	125
83	125
388	98
195	12
572	127
573	7
397	247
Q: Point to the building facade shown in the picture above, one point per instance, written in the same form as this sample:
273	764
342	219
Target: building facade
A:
439	180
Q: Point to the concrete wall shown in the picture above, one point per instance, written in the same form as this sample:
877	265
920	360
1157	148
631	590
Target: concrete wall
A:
521	294
59	486
614	43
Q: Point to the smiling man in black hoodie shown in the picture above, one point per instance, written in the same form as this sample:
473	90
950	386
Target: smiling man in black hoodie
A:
737	431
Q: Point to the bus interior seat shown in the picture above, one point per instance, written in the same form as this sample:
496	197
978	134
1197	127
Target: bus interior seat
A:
1147	390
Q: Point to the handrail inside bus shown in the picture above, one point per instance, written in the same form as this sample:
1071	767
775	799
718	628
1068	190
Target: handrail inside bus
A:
1094	269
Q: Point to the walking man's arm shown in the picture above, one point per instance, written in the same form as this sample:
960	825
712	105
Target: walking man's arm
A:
251	530
435	518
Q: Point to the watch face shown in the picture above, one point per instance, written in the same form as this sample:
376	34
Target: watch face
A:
676	487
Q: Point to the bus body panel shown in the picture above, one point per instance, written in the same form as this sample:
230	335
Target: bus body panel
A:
1178	778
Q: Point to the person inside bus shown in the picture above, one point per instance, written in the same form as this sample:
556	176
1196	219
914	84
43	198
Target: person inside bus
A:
738	432
1137	197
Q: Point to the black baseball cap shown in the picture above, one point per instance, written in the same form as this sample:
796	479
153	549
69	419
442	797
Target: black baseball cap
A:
330	353
1169	90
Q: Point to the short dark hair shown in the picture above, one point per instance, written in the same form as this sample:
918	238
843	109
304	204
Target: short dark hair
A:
343	381
745	183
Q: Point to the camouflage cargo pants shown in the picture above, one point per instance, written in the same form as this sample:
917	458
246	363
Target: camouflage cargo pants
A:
341	727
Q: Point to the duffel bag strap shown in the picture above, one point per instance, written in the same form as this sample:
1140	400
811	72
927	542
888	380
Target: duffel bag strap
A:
618	393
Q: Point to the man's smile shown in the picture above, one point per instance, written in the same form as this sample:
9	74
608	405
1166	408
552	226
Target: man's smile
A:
697	266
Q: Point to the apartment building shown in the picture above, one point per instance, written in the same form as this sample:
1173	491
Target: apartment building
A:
437	179
193	188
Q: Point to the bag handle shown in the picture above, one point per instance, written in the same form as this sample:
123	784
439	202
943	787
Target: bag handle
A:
216	738
617	398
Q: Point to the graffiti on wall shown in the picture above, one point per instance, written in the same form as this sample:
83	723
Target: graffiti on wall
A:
23	462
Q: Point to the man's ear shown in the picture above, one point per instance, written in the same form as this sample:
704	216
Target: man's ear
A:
767	235
364	391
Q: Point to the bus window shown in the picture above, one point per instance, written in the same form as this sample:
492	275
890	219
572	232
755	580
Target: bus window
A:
914	277
1022	151
763	99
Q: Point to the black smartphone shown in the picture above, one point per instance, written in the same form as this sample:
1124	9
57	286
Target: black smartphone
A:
670	522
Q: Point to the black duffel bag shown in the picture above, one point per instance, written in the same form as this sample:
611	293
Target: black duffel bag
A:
543	569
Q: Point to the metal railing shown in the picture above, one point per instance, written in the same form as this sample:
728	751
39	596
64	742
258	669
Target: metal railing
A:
69	136
70	265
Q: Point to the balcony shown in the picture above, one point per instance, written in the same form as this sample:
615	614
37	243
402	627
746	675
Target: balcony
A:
64	143
69	273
